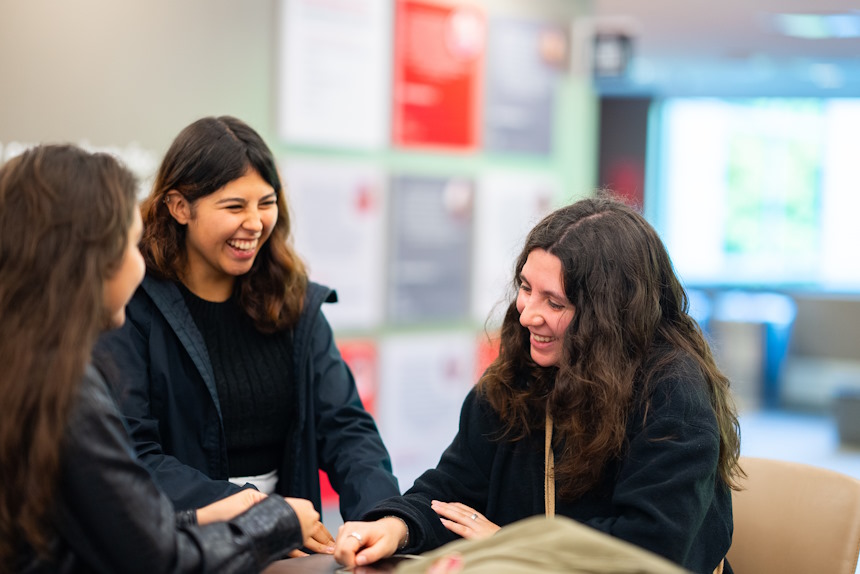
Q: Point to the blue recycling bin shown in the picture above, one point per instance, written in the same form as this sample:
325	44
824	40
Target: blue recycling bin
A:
775	312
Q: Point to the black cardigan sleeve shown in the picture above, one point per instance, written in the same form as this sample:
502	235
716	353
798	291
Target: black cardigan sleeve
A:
462	475
112	516
123	356
348	442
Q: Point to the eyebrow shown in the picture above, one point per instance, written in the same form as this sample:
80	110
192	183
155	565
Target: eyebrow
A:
272	195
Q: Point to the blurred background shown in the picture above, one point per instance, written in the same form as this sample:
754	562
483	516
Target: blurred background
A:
420	140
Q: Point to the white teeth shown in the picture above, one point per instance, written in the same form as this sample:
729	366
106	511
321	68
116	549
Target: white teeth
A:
243	244
540	339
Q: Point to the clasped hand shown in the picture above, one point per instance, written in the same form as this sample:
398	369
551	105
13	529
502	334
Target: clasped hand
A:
360	543
315	535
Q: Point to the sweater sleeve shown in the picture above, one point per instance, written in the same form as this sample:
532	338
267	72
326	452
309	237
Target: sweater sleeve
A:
115	519
668	479
123	357
462	475
351	451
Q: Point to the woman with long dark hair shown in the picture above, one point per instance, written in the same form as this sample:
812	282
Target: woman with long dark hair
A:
73	496
229	368
604	405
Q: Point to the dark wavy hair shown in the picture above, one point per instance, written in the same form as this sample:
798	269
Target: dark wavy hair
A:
65	216
630	323
204	157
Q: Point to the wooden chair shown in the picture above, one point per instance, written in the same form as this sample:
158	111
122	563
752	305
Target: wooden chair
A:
794	517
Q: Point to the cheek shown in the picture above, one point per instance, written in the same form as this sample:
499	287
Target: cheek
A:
564	323
141	268
269	221
521	304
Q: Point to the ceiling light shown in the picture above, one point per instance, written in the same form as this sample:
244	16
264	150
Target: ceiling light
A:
819	26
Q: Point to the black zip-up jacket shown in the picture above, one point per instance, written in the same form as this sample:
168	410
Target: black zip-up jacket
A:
109	516
664	494
168	397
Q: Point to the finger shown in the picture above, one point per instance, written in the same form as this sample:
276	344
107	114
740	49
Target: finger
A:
449	512
373	553
297	553
321	534
255	495
454	515
463	508
457	528
347	547
319	547
449	564
466	511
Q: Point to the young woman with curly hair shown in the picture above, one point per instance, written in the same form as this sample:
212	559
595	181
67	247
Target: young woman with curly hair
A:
604	391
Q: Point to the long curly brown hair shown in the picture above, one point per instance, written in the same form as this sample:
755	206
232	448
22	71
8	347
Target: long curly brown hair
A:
205	156
630	323
65	216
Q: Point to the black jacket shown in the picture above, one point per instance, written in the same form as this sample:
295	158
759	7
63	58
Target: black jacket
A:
665	493
168	397
109	516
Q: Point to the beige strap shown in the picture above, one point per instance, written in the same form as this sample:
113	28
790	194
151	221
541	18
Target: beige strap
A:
549	470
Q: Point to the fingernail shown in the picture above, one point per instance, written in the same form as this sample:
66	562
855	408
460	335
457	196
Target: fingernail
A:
329	549
361	560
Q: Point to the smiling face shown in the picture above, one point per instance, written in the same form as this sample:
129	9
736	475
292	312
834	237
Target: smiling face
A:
225	232
543	307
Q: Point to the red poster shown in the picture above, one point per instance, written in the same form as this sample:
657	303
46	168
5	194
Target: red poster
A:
487	351
438	58
360	356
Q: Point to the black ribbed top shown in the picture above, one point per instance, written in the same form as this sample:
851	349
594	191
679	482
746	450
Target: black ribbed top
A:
253	380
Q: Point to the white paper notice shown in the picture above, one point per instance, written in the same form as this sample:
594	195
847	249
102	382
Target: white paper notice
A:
507	206
424	379
338	220
335	61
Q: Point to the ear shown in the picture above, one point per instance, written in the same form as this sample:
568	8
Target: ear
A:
178	207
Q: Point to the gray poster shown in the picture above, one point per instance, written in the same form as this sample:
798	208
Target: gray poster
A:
430	247
523	64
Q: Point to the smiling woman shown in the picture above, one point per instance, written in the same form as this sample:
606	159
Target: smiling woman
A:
230	372
225	231
604	405
543	307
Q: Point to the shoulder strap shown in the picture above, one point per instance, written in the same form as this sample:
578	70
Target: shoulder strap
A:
549	470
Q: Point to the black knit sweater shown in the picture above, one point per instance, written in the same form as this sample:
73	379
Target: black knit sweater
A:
257	409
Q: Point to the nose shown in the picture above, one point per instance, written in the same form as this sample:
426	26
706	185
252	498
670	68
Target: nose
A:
253	222
530	315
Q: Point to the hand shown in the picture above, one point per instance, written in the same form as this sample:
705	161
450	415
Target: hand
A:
230	507
360	543
309	519
464	520
320	540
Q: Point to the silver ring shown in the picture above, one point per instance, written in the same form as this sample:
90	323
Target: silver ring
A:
355	535
474	516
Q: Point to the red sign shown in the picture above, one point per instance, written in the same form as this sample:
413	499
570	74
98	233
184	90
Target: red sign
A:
360	356
487	352
438	58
